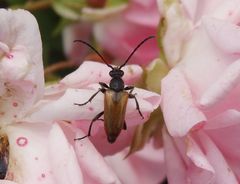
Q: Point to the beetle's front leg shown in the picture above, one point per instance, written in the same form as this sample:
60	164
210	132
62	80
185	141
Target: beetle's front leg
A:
129	88
102	89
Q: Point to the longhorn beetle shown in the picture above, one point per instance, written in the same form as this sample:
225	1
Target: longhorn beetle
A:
115	99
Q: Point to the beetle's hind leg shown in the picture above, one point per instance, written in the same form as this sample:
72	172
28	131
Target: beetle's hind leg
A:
130	95
91	124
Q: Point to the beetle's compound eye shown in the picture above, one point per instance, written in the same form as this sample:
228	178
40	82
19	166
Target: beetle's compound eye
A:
116	73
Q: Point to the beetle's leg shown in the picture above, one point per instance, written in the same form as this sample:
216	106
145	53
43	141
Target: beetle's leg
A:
130	95
129	88
103	85
90	99
124	125
91	124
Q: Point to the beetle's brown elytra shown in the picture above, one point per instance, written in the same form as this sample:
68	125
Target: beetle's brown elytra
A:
116	96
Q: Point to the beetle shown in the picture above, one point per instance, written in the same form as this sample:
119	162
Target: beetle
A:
116	96
4	155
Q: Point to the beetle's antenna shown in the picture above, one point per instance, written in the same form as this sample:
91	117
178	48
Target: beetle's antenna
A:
95	50
150	37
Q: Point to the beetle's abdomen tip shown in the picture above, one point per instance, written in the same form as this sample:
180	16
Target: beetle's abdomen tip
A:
111	138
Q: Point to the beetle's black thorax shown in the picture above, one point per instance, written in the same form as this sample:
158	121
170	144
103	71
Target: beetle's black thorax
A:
116	83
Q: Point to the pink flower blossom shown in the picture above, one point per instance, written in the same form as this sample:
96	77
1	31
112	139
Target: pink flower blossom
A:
21	70
120	34
200	94
32	145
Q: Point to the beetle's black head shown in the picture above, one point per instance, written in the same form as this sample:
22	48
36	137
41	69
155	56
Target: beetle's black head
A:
116	73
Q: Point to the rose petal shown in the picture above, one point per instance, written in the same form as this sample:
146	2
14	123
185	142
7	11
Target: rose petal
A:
7	182
175	167
229	145
142	13
93	163
218	29
73	32
16	101
194	166
226	119
21	32
30	159
197	156
226	83
191	7
145	166
94	72
223	173
24	84
62	158
117	33
179	111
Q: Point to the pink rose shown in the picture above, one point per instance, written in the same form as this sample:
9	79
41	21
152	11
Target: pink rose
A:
117	31
200	94
120	34
32	144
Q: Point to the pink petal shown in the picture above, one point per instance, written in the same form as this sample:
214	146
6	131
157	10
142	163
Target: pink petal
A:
145	14
30	157
63	159
95	167
198	66
226	83
195	153
20	32
16	100
190	7
118	33
94	72
202	171
99	138
229	145
7	182
73	32
222	120
175	167
145	167
24	84
223	172
223	34
186	162
180	112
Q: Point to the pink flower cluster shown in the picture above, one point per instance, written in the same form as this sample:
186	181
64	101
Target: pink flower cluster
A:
200	98
200	94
